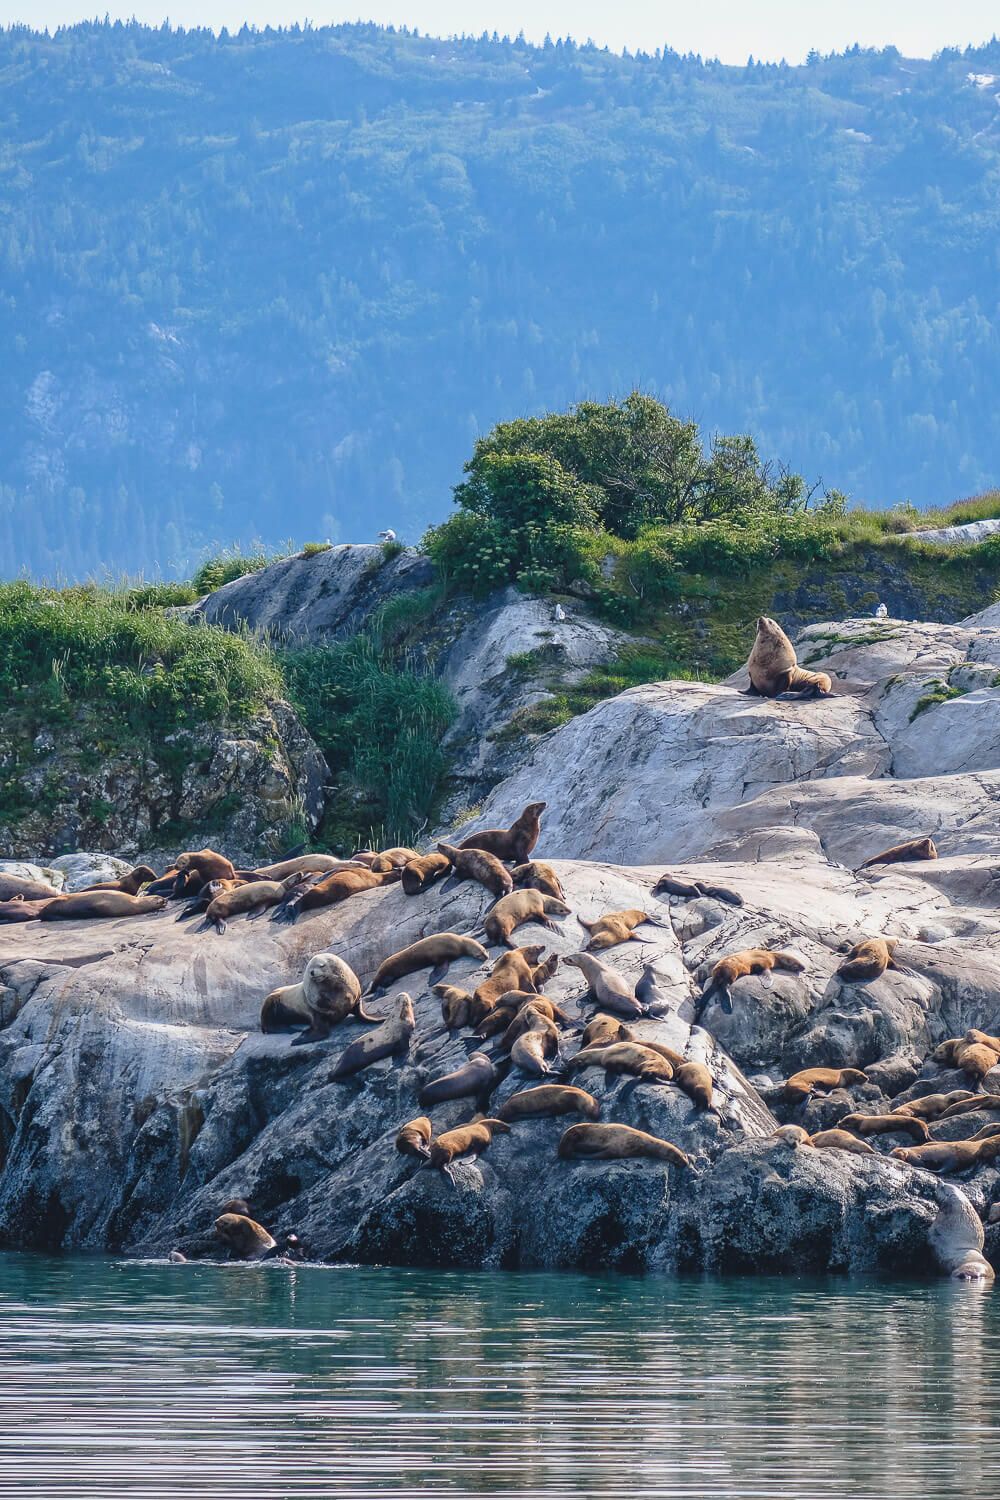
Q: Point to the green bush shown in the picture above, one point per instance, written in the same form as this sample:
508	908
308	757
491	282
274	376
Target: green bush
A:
230	565
312	549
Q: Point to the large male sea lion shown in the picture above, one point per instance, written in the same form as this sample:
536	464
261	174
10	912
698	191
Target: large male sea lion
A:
735	966
328	992
477	1077
518	907
550	1099
869	960
86	904
774	669
536	875
616	1143
435	953
391	1039
513	844
899	853
479	864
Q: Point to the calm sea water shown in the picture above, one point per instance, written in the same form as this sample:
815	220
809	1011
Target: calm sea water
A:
126	1378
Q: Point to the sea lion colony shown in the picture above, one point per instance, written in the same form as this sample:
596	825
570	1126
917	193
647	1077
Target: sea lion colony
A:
548	1047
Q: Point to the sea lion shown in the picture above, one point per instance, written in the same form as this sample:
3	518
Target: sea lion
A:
201	865
478	864
454	1005
19	910
303	864
607	986
513	970
615	1143
391	1039
864	1125
84	905
519	907
809	1081
465	1140
236	1206
957	1237
535	1045
672	885
899	853
332	889
206	896
435	953
969	1105
414	1138
624	1057
648	992
949	1156
477	1077
869	959
983	1039
243	1237
735	966
131	883
841	1140
513	844
13	887
254	897
674	1058
616	927
774	670
974	1058
791	1135
933	1106
536	875
543	972
328	992
696	1081
392	859
528	1006
603	1030
420	874
550	1099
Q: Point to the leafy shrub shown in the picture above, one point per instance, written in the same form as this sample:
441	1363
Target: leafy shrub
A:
311	549
230	565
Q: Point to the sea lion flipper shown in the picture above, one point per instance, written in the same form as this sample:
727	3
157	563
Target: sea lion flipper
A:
286	912
750	692
726	1000
438	972
305	1037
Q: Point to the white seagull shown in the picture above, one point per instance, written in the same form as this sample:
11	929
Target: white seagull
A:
560	614
387	536
881	612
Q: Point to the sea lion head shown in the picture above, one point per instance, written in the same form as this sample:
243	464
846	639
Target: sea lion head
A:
404	1010
534	809
244	1235
557	908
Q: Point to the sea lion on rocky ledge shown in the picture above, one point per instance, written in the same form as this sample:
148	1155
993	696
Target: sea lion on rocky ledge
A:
739	965
479	864
512	844
616	1143
774	669
550	1099
869	960
464	1140
899	853
85	904
414	1138
435	953
327	994
518	907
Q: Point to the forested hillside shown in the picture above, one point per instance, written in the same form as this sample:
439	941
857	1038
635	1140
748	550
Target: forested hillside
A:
275	284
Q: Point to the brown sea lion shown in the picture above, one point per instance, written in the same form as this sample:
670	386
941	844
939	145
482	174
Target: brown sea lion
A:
19	910
674	1058
810	1081
478	864
253	897
935	1106
899	853
543	972
435	953
420	874
696	1081
528	1006
864	1125
625	1057
513	844
983	1039
970	1105
550	1099
455	1004
14	886
603	1030
791	1135
774	670
535	1046
414	1138
512	971
616	1143
206	895
616	927
673	885
973	1058
536	875
131	883
869	959
841	1140
304	864
84	905
245	1238
328	992
465	1140
390	1039
738	965
201	865
519	907
949	1156
606	985
332	889
477	1077
392	859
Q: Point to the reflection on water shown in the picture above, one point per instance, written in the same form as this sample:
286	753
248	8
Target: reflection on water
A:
136	1379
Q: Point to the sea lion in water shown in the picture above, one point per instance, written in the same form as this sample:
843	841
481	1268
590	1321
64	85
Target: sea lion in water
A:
414	1138
616	927
244	1237
513	970
899	853
391	1039
864	1125
949	1156
513	844
454	1005
774	670
672	885
607	986
519	907
809	1081
14	886
625	1057
936	1106
465	1140
420	874
616	1143
841	1140
84	905
477	1077
131	883
435	953
536	875
478	864
869	960
550	1099
735	966
332	889
328	992
253	897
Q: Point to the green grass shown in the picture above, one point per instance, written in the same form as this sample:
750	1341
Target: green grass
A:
941	692
226	567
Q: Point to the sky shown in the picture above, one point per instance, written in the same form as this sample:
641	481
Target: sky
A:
729	29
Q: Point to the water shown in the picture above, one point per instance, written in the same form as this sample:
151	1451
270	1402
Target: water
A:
136	1379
